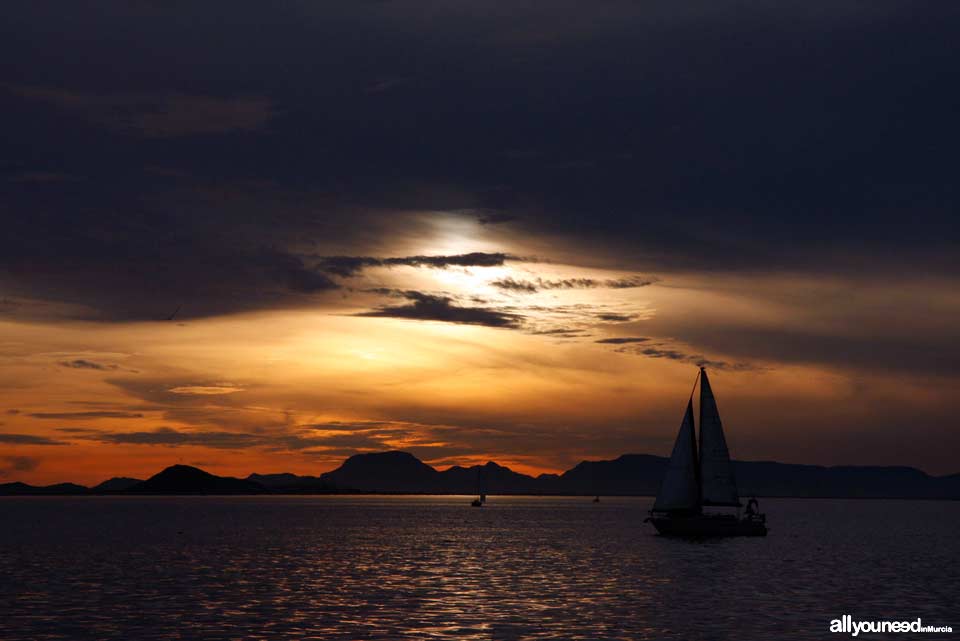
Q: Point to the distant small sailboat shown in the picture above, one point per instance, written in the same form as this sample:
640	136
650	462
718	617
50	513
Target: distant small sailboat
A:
481	490
702	477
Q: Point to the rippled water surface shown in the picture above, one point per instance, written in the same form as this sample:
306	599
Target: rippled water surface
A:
432	567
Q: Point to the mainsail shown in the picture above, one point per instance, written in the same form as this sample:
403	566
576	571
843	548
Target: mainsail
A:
716	472
681	489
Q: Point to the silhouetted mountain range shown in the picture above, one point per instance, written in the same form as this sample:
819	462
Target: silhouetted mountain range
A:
183	479
630	474
59	488
291	483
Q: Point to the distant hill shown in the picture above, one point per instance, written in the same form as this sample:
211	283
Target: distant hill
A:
184	479
630	474
767	478
18	489
494	478
385	472
638	474
116	484
287	482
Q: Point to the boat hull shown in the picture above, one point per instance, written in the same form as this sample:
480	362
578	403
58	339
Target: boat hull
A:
702	526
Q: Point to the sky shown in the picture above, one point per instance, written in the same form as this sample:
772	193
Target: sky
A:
262	238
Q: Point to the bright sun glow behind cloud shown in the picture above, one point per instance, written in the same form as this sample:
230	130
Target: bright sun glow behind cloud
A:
590	363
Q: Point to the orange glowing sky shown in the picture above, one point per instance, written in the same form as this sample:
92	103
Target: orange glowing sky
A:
300	389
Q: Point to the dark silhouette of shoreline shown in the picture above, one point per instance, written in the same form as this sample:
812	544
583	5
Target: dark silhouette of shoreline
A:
629	475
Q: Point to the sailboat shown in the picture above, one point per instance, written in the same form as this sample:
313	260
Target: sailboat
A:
481	490
699	478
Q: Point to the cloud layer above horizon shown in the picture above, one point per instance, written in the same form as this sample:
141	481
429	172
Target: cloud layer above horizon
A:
485	229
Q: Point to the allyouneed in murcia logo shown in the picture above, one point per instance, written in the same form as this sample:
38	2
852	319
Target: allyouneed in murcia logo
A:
848	625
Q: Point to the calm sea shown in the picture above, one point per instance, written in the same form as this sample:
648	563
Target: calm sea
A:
434	568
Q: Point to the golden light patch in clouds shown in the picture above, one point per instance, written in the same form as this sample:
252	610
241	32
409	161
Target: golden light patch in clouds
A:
205	390
451	234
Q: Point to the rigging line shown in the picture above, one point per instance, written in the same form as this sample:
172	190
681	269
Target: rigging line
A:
695	381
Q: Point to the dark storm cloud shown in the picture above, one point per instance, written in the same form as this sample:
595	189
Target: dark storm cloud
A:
347	265
658	136
431	307
28	439
914	354
623	340
156	115
290	271
81	363
351	265
387	84
40	177
143	265
617	318
85	415
531	287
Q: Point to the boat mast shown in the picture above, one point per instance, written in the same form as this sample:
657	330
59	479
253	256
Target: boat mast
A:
693	447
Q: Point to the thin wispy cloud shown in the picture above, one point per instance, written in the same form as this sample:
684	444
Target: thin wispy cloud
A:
518	285
346	266
641	347
172	437
28	439
432	307
81	363
85	415
623	340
